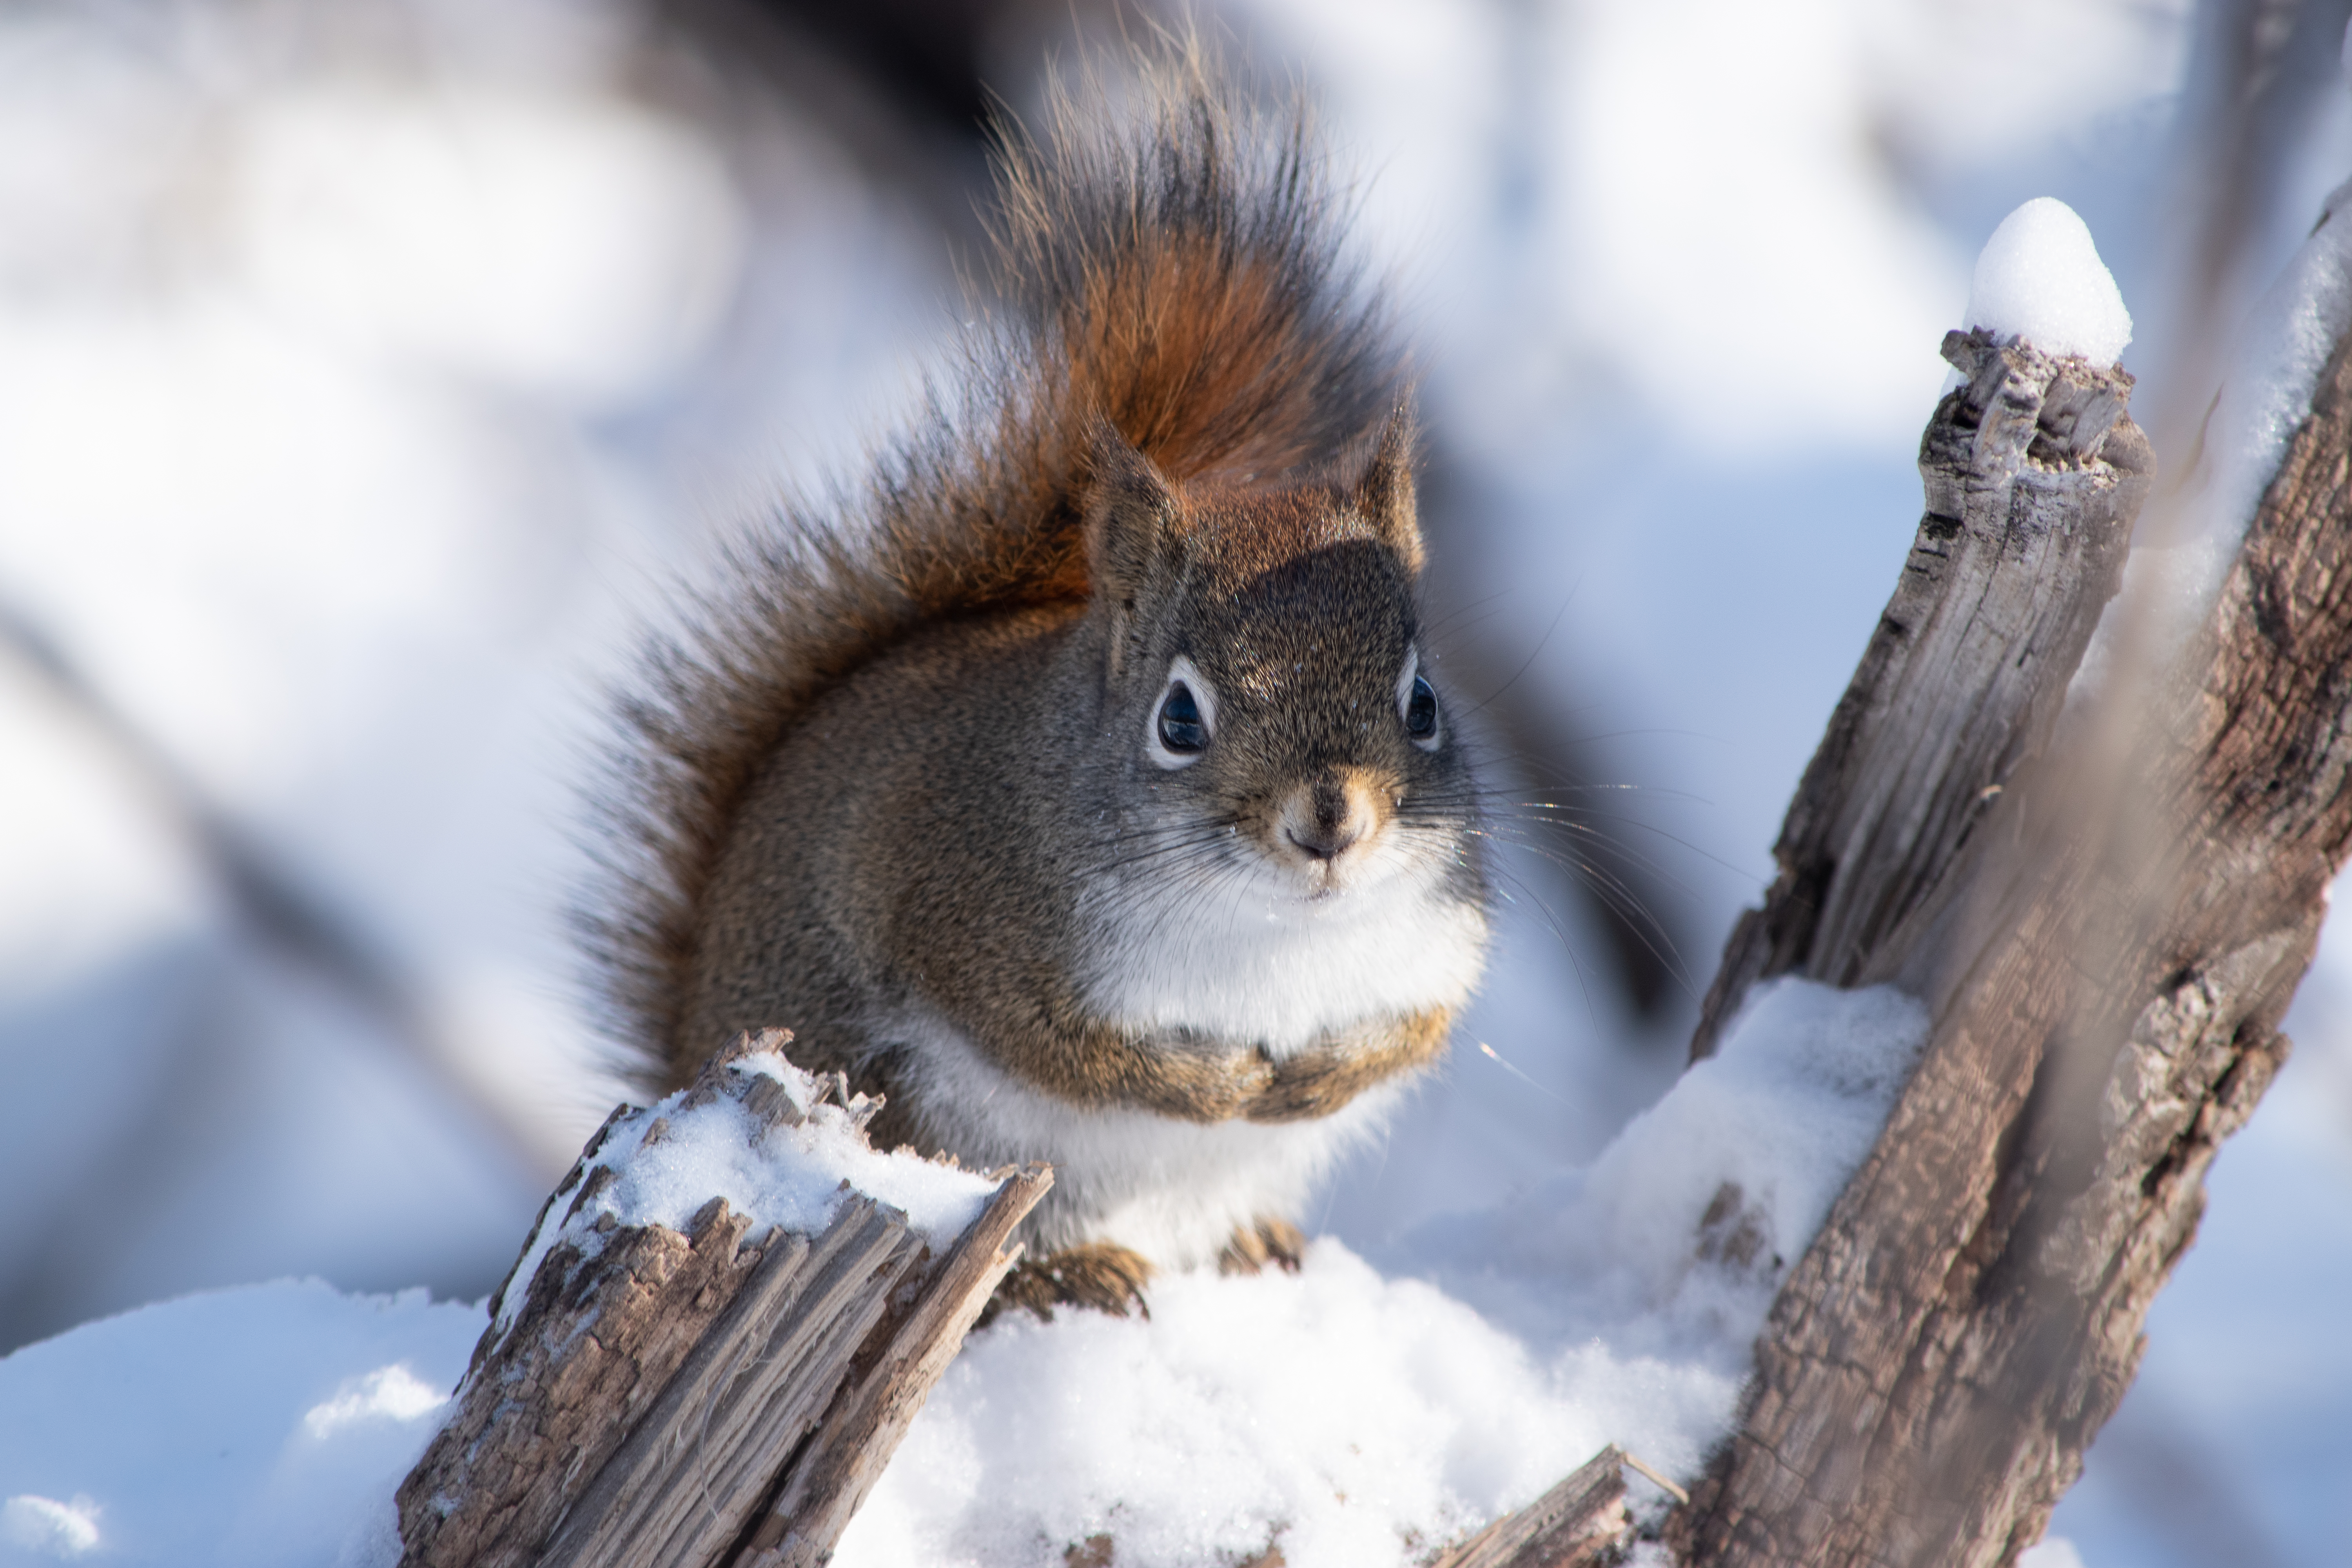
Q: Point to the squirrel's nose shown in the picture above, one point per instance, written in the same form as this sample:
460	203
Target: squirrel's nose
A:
1325	819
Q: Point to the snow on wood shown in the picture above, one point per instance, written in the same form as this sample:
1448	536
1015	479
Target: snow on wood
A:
2106	958
2033	474
2105	908
2104	924
726	1389
2039	277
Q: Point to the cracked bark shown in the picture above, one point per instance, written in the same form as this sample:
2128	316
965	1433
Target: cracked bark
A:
2106	910
2106	956
2033	473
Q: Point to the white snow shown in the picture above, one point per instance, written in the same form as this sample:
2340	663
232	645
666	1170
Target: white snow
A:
2051	1551
1357	1419
51	1528
1348	1417
1781	1114
248	1428
270	1425
2039	277
389	1391
791	1176
1353	1418
795	1176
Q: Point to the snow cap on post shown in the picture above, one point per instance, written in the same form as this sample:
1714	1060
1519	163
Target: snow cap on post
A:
2039	277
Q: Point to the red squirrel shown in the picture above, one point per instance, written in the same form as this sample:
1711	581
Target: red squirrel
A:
1081	781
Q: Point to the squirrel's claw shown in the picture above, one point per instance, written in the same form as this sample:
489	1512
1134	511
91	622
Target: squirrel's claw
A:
1261	1242
1107	1278
1097	1275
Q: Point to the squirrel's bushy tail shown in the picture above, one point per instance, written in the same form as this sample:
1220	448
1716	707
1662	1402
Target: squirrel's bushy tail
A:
1174	265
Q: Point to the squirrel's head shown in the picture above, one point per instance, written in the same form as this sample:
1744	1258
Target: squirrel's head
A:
1269	694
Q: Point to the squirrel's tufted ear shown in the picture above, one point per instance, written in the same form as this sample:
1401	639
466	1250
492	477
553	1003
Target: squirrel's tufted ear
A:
1130	510
1385	493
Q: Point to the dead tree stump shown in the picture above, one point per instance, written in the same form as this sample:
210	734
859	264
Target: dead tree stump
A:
2107	965
2033	473
2107	909
647	1396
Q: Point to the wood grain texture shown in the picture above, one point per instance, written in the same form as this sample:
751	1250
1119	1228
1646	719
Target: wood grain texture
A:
2033	473
654	1396
591	1347
2111	955
695	1468
893	1376
1582	1522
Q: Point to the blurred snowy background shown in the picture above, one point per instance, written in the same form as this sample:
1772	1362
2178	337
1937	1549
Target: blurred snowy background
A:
368	368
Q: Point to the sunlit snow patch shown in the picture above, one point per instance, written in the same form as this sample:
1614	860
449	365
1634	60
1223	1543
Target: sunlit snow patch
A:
260	1427
1353	1419
1351	1415
794	1176
389	1392
2040	279
2051	1551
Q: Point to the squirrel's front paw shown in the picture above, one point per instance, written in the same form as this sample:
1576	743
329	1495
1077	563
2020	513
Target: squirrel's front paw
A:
1261	1242
1100	1275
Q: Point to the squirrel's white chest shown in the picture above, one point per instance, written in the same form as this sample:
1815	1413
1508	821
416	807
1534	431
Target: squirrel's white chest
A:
1175	1191
1237	956
1243	958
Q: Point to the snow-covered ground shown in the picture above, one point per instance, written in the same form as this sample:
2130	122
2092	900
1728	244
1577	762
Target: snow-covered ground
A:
1351	1417
363	372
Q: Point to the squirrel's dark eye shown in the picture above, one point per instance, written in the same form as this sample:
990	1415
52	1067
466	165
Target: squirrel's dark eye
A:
1421	710
1181	730
1181	724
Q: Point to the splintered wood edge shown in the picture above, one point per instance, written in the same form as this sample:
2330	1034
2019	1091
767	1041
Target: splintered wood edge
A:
2012	1325
487	1489
830	1478
759	1376
1582	1522
965	1278
649	1463
1957	684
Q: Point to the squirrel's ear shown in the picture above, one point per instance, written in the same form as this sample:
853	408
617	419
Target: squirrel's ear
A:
1385	494
1129	508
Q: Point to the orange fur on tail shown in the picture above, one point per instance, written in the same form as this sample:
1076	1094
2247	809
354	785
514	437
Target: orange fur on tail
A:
1178	270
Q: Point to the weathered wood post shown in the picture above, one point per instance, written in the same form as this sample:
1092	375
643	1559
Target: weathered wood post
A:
2106	961
2107	909
652	1396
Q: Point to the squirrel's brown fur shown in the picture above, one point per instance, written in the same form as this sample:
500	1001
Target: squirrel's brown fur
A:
1177	276
904	789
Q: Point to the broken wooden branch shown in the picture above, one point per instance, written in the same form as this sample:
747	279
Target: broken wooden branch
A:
2106	962
2106	910
2107	974
647	1395
1582	1522
2033	473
